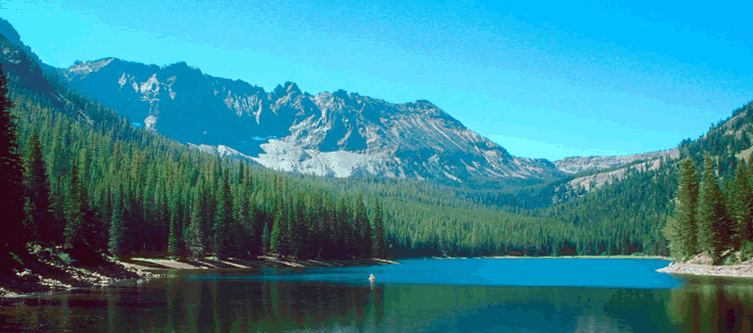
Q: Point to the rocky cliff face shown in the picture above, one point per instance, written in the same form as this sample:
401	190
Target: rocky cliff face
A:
329	134
588	163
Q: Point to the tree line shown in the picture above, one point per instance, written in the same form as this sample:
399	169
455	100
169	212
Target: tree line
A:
89	183
91	191
709	217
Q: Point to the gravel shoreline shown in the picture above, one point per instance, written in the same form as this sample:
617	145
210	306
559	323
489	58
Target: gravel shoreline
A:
743	270
700	265
47	276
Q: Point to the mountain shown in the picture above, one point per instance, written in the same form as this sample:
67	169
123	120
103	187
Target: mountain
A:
575	165
336	134
10	33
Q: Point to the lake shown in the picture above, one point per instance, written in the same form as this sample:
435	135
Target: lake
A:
419	295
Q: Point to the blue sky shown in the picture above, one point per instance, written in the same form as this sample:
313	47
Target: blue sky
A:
544	79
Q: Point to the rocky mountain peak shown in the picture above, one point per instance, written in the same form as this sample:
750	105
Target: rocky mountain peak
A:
337	134
292	88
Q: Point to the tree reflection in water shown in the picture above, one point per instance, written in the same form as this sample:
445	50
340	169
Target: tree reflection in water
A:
240	305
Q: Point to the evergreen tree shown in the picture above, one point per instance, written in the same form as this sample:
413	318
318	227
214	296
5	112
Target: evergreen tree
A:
713	221
265	238
117	225
223	221
74	218
12	239
59	163
297	229
742	200
174	245
277	237
378	249
363	230
195	231
41	222
346	244
686	241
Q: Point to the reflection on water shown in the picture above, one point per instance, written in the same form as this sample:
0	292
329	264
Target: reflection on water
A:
231	303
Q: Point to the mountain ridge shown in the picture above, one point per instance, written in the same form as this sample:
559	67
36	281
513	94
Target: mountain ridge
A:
336	134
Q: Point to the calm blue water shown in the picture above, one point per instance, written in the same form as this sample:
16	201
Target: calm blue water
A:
609	273
473	295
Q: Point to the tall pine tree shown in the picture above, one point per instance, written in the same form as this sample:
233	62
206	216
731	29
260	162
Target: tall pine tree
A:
12	239
686	228
195	230
378	250
712	217
42	222
223	221
117	225
742	198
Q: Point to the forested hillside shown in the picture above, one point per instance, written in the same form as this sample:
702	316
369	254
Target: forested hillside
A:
93	184
637	207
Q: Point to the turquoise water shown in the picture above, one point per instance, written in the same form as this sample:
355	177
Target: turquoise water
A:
473	295
607	273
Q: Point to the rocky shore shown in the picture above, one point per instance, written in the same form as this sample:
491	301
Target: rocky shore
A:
700	265
48	273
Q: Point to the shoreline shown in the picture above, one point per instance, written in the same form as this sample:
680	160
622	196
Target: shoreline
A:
732	271
561	257
700	265
44	278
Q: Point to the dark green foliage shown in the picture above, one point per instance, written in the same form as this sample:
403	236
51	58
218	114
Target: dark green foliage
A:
345	235
277	237
175	243
117	225
13	237
712	217
362	229
41	222
223	221
378	250
265	238
297	229
741	208
685	228
195	231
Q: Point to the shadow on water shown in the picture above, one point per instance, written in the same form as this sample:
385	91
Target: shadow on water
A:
183	304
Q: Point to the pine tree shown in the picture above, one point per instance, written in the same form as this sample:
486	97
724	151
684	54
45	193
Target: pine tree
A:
117	225
297	229
174	244
378	249
42	223
74	218
686	240
712	217
265	238
246	237
276	238
223	221
196	231
344	230
12	239
742	198
363	229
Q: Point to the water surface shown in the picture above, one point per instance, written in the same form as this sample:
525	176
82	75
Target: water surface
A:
473	295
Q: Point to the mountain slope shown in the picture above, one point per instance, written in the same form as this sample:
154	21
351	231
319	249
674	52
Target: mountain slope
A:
329	134
589	163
